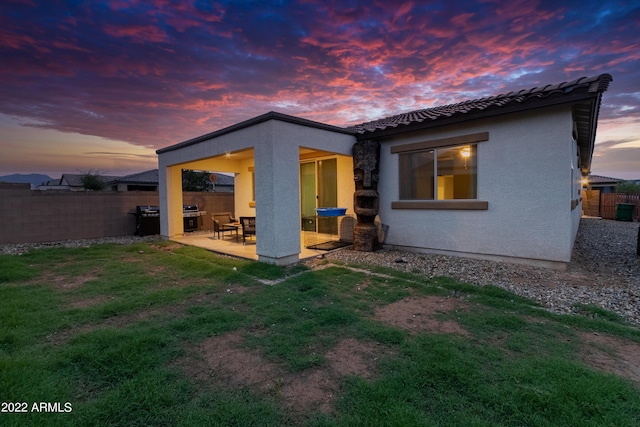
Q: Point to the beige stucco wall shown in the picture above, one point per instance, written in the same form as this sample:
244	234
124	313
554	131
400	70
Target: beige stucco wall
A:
346	185
244	189
524	172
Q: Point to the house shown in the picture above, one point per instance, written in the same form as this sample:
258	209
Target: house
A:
493	178
141	181
221	183
603	183
72	182
148	181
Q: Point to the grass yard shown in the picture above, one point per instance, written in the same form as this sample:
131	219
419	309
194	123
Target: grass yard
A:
159	334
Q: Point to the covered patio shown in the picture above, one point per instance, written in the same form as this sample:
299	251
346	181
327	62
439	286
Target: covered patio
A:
234	247
284	167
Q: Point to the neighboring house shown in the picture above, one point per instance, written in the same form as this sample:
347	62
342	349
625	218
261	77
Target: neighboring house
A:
603	183
482	178
221	183
141	181
72	182
53	184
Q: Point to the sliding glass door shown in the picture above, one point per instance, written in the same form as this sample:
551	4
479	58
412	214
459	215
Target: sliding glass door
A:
318	188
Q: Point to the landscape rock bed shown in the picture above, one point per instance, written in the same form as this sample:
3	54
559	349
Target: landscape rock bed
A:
604	270
21	248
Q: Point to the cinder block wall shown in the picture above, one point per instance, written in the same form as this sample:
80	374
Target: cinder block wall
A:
29	216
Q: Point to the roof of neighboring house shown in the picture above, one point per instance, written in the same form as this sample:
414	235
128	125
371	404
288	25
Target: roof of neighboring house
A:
599	179
75	180
224	180
151	177
146	177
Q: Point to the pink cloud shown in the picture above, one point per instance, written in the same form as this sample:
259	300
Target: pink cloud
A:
173	71
462	20
138	33
403	10
17	41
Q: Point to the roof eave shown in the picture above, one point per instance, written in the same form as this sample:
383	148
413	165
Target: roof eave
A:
585	116
272	115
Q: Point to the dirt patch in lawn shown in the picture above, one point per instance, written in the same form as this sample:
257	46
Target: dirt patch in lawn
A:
119	321
614	355
66	283
225	359
123	320
239	290
425	314
169	247
89	302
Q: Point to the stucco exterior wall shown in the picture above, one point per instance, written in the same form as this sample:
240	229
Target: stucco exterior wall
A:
244	190
277	198
576	193
524	172
276	151
346	184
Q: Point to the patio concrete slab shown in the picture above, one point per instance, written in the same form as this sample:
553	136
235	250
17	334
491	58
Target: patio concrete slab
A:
231	246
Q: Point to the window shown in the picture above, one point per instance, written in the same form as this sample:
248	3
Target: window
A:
446	173
440	174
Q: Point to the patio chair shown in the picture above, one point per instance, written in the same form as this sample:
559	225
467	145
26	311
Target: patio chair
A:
248	227
223	221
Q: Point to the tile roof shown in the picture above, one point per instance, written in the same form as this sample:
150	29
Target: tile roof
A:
75	180
599	179
146	177
493	105
224	180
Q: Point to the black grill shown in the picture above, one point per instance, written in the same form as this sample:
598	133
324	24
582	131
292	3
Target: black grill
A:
148	211
147	220
190	214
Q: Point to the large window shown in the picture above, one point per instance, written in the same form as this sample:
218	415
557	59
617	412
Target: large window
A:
446	173
440	173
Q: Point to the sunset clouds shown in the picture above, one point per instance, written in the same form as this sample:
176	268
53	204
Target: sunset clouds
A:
149	74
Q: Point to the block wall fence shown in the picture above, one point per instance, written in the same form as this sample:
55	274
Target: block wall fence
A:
604	204
32	216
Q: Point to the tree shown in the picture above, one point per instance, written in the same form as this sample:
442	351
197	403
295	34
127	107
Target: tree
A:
92	181
195	180
627	187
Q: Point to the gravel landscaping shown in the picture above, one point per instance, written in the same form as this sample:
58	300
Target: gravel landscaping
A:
604	269
21	248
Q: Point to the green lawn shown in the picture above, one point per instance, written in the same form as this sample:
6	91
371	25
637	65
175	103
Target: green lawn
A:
158	334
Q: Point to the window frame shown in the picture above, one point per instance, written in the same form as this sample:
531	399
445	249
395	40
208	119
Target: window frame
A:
447	204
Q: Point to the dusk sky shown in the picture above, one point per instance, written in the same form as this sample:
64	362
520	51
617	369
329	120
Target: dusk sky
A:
100	85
